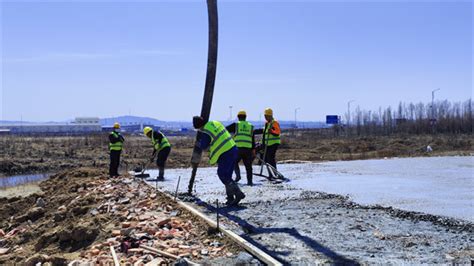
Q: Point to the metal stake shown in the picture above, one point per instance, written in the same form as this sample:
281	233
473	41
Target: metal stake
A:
177	187
217	214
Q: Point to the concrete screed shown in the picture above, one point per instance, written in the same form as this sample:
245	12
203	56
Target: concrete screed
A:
299	225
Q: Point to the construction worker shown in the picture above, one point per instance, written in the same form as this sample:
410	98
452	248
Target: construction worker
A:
271	138
160	145
115	147
222	150
245	142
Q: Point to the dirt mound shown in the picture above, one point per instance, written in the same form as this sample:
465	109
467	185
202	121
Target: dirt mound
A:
81	213
53	222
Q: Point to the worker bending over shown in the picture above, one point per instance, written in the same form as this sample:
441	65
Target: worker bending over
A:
271	138
222	150
245	142
115	147
160	145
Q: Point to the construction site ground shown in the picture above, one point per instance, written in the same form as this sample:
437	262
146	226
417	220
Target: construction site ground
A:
301	225
79	215
39	154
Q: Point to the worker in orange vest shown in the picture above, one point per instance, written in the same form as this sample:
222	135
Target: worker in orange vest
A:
271	137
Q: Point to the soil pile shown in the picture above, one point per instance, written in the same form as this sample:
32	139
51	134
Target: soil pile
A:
82	215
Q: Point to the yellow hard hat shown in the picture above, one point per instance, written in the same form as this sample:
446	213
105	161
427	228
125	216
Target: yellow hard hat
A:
116	125
242	112
268	111
147	130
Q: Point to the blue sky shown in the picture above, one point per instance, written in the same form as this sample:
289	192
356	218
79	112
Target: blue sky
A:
84	58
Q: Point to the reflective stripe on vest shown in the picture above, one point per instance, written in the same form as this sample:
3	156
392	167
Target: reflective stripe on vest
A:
243	134
221	140
269	138
159	146
117	146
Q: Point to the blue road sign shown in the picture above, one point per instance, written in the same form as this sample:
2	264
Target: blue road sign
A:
332	119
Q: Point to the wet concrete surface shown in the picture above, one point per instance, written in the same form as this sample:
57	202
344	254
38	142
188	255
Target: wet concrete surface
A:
299	225
437	185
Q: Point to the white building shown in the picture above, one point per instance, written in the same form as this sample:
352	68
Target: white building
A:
86	120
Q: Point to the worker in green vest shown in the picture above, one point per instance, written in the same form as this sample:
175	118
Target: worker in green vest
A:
271	137
115	147
222	150
162	146
245	142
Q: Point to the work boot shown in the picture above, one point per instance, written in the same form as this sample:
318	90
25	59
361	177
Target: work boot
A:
237	193
230	196
161	175
249	179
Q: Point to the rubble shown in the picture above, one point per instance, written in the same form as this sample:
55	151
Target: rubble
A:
87	215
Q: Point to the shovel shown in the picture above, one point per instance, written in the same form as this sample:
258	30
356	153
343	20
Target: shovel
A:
142	173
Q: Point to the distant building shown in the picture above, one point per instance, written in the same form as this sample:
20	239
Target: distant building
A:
52	129
4	131
86	120
81	125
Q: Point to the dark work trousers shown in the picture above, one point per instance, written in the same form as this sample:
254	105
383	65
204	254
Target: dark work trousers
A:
270	156
114	163
245	154
225	165
163	156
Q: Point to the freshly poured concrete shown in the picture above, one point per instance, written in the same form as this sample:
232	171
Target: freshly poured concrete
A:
300	224
439	185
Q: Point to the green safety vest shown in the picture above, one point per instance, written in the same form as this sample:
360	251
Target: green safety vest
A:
117	146
269	138
221	140
243	134
159	146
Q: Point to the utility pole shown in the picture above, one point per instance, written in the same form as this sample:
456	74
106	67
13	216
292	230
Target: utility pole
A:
433	120
349	112
296	111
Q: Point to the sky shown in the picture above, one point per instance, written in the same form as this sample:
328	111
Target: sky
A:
61	60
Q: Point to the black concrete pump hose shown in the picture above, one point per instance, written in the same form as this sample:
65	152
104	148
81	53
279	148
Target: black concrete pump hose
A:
209	87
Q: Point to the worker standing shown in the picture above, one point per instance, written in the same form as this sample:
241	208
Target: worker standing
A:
271	138
222	150
162	146
245	142
115	147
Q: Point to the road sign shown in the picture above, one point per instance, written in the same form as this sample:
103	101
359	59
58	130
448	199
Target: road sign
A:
332	119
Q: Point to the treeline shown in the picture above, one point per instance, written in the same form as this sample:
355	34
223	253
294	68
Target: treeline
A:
410	118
